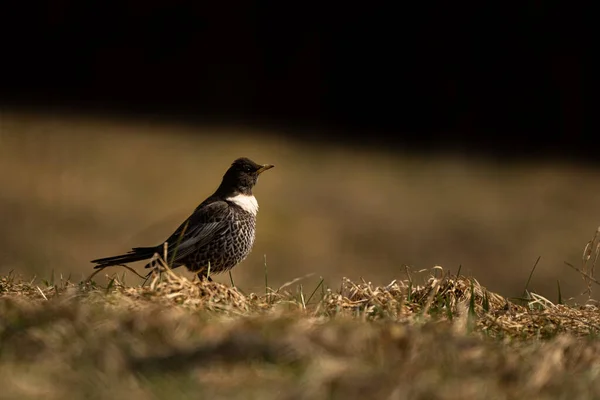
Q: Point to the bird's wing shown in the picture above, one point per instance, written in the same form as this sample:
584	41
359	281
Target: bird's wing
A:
208	222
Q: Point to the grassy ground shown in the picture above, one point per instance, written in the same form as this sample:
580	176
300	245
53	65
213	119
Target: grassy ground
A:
431	335
74	189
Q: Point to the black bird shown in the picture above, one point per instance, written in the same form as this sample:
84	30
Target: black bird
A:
220	231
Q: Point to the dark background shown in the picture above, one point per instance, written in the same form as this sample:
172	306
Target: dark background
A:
503	79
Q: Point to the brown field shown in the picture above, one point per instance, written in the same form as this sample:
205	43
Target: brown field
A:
74	189
442	337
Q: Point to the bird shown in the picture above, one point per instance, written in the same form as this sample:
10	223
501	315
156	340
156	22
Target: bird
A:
220	232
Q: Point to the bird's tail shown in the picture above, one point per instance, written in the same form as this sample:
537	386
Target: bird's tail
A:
136	254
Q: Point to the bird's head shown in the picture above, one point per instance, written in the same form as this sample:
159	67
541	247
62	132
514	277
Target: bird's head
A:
241	177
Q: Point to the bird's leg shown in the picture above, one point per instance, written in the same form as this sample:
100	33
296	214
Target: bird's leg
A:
202	276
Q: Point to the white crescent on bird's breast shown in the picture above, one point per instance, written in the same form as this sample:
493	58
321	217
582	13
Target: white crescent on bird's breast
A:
247	203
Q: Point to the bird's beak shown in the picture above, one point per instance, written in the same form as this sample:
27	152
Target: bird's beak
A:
264	168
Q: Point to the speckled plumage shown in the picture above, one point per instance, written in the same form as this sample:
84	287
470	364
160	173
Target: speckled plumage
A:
220	231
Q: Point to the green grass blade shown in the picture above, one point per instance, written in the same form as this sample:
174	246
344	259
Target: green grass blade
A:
560	299
530	276
314	291
266	277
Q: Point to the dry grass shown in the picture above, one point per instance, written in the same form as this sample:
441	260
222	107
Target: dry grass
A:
446	337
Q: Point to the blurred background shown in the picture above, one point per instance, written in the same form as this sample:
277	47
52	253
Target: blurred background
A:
429	135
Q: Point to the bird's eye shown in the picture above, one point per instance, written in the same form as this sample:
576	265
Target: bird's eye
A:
248	168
